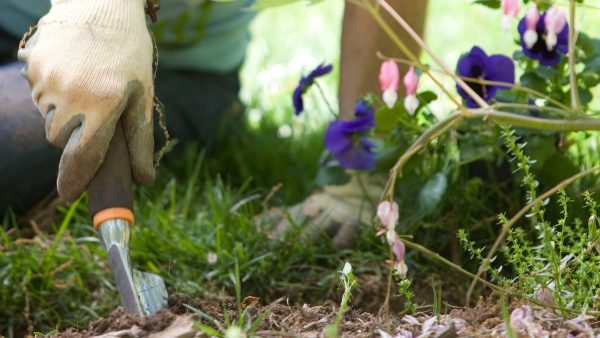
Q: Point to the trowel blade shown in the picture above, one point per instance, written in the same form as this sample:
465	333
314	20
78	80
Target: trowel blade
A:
119	264
151	290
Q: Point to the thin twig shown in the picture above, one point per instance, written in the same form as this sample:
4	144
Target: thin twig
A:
508	225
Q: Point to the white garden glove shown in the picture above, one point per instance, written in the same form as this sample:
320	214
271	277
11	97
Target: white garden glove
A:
88	64
336	211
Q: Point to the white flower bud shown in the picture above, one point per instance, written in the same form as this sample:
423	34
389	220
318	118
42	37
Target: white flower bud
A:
390	96
347	269
530	38
551	40
411	103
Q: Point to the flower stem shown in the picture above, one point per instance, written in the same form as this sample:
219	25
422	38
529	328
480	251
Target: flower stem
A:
322	93
516	120
409	53
575	102
557	111
567	110
480	101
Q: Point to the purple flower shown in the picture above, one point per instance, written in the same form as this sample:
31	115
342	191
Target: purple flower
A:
539	51
348	142
478	65
305	83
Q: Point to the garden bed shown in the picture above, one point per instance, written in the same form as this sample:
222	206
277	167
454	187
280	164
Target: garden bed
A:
285	320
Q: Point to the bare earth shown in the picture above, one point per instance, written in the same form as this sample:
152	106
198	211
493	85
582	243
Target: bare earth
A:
283	320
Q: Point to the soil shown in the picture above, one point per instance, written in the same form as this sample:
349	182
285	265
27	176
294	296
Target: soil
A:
285	320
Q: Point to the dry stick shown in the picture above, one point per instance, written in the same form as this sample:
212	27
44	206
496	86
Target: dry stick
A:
507	226
575	102
480	101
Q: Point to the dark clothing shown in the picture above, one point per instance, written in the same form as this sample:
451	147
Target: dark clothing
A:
196	106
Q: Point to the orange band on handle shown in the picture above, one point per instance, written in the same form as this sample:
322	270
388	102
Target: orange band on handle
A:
111	214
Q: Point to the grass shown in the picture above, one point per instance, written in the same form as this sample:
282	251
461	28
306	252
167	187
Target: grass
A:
205	202
194	209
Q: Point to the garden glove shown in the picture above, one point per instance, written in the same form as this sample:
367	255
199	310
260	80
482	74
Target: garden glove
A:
336	211
89	64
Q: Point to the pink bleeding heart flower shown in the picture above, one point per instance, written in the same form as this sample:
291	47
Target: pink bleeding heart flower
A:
411	82
389	78
388	214
555	21
531	20
511	9
398	249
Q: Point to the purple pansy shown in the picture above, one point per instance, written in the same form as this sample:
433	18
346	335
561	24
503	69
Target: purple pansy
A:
539	51
478	65
305	82
348	142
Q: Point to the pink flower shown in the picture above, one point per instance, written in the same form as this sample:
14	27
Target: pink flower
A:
389	78
555	22
531	20
388	214
398	249
389	75
511	10
411	82
511	7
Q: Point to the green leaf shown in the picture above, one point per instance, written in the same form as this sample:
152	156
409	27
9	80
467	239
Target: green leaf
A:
432	192
332	174
594	65
426	97
533	81
494	4
545	72
386	119
590	78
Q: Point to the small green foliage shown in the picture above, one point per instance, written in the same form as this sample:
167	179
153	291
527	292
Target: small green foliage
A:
553	250
349	282
406	293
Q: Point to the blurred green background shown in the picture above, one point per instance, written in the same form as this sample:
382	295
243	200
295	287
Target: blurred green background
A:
292	39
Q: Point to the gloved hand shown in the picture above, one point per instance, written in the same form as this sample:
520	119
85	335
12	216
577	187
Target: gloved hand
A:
336	211
88	64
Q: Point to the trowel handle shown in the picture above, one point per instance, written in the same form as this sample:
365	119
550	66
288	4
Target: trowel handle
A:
110	192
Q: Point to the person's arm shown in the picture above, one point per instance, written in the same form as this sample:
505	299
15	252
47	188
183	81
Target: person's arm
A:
89	65
362	38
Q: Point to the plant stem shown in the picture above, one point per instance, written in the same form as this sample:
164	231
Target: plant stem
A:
507	226
555	102
480	101
557	111
410	54
324	97
577	124
436	257
575	102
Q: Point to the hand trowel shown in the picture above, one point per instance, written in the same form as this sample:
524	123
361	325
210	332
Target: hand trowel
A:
111	207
